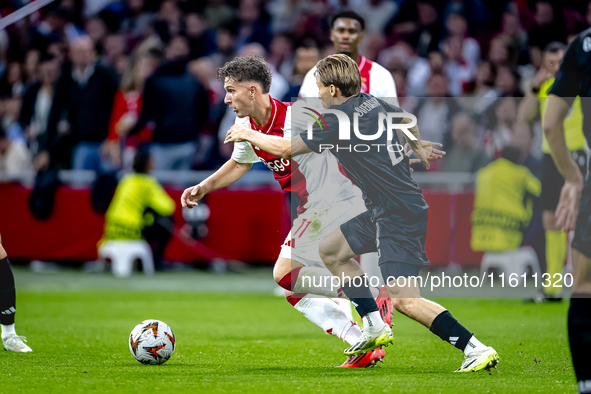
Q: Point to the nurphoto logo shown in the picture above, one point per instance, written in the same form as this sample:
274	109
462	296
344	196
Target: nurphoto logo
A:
345	123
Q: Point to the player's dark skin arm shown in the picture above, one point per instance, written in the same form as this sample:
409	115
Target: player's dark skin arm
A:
568	207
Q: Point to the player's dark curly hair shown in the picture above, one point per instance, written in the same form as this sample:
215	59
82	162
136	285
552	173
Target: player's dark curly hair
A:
247	68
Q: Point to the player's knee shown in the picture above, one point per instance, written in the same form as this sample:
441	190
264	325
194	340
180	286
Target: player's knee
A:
280	270
277	277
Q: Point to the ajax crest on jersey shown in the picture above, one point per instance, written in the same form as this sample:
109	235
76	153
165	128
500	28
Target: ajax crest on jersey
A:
152	342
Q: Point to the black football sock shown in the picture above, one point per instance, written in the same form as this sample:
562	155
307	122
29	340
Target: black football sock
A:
359	293
579	338
7	294
446	327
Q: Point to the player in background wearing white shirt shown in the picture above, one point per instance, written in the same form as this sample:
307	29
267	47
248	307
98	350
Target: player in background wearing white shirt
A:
313	179
346	34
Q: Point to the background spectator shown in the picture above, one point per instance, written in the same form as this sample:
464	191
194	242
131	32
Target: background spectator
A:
434	114
306	57
503	203
464	156
548	26
37	103
128	104
478	50
178	104
379	12
84	97
14	155
141	209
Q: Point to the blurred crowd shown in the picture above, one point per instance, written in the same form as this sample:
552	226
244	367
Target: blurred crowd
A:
85	84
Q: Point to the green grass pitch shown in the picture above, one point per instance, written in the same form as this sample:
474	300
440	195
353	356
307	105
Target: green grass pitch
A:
256	342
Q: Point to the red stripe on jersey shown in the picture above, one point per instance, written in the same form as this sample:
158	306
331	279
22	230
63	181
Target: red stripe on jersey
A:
364	69
299	188
342	170
285	171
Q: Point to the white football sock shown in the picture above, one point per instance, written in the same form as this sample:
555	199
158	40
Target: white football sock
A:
7	330
373	321
326	314
473	345
345	305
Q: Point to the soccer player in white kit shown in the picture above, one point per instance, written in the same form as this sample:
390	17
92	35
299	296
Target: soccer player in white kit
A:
346	34
316	182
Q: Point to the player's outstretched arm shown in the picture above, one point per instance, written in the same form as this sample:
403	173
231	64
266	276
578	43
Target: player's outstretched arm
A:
274	145
229	173
568	204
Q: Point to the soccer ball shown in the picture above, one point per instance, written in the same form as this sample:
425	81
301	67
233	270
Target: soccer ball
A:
152	342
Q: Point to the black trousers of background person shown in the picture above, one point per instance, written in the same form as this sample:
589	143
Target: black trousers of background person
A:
158	235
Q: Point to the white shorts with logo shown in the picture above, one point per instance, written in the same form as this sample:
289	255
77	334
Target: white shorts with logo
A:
309	228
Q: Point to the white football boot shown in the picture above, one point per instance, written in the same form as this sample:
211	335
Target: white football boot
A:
378	335
479	360
15	343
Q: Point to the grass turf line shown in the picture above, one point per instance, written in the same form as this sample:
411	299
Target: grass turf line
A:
231	342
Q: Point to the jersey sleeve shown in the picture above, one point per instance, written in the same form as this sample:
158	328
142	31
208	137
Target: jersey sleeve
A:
323	138
386	87
243	152
296	119
532	184
568	77
309	87
160	201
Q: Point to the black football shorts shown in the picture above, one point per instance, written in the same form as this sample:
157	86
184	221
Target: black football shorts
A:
397	239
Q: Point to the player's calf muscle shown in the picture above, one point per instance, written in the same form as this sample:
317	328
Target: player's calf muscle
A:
334	250
409	291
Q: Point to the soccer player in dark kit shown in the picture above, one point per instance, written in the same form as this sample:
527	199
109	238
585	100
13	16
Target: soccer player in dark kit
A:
574	207
395	223
10	341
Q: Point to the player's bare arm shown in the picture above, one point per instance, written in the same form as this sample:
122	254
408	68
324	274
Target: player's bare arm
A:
568	205
278	146
229	173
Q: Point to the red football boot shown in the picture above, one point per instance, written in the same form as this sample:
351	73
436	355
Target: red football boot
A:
385	306
365	360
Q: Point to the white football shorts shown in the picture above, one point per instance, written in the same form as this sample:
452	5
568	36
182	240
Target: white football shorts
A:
310	227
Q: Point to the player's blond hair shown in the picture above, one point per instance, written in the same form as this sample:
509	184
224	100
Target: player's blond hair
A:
341	71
